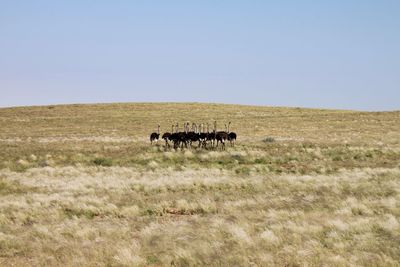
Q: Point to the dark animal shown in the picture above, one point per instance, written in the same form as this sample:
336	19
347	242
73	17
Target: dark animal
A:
175	136
155	136
196	133
231	136
202	136
166	136
193	136
210	136
183	136
220	136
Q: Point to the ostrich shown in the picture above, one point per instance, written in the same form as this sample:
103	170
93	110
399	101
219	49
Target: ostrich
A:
166	136
190	134
193	136
202	136
183	136
175	138
221	136
180	135
155	136
231	136
210	136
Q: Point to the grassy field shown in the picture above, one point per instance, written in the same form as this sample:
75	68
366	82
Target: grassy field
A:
80	185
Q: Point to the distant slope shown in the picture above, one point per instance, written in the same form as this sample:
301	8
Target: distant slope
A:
139	119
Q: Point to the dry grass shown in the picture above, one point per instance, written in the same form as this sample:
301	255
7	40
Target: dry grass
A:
80	185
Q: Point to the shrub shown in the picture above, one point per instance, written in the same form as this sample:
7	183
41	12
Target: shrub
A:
107	162
242	170
269	140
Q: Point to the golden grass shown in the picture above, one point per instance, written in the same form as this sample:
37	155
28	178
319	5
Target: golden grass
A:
326	192
116	215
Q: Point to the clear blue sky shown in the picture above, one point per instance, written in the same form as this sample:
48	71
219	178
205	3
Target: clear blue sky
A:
332	54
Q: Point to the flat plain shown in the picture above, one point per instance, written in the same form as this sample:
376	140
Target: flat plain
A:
80	185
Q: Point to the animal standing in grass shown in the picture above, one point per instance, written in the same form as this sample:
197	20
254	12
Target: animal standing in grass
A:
197	133
167	136
231	136
175	136
202	136
220	136
155	136
210	136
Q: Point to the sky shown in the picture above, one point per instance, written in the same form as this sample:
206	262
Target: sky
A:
342	54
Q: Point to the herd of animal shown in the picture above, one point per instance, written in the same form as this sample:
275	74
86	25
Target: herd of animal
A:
189	137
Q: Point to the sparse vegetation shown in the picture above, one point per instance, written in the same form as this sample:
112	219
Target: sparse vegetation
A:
81	185
269	140
103	162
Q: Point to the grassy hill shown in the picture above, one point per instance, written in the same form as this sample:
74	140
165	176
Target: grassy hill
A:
81	185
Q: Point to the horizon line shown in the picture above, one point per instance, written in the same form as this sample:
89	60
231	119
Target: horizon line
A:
190	102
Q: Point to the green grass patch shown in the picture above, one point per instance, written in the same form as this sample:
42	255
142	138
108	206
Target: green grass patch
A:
106	162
